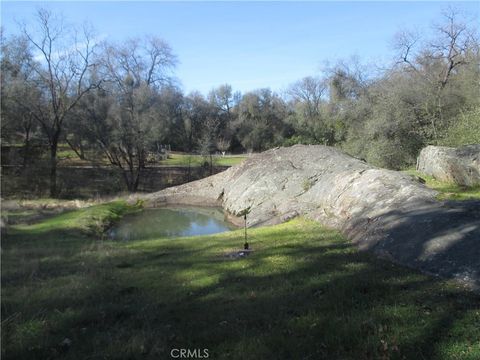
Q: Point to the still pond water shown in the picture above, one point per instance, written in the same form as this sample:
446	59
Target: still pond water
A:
170	222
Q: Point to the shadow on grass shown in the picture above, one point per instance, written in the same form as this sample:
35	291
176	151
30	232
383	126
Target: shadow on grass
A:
305	293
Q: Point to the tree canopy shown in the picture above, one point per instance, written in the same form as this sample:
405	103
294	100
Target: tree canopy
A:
122	101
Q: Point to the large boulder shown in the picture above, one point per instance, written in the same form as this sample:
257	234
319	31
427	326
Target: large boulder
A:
381	210
455	165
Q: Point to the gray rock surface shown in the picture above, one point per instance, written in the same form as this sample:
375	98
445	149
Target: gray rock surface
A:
384	211
456	165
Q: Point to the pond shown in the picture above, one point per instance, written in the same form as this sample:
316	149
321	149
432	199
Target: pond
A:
170	222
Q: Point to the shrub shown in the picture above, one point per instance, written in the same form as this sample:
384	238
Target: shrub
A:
464	129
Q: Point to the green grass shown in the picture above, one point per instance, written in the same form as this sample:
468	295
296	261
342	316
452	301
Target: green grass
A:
91	220
448	191
68	156
198	160
305	293
229	160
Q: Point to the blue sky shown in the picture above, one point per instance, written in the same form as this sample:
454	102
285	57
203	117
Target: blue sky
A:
251	44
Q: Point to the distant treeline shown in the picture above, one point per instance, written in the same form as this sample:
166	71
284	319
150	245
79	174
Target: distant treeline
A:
121	100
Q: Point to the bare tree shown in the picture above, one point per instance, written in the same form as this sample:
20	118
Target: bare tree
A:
405	43
454	41
223	145
222	98
433	62
222	101
63	60
195	110
18	94
309	91
135	73
207	141
309	117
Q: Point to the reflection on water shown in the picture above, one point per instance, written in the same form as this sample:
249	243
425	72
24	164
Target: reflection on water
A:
170	222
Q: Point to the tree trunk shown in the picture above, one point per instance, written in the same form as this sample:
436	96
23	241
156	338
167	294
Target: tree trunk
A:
26	147
53	169
125	178
211	164
78	151
137	181
131	179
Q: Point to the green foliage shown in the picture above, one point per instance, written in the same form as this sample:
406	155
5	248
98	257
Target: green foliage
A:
296	139
304	292
260	124
390	154
311	117
465	129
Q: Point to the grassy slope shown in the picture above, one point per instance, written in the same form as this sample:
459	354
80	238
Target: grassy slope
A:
68	157
448	191
304	293
197	160
92	220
